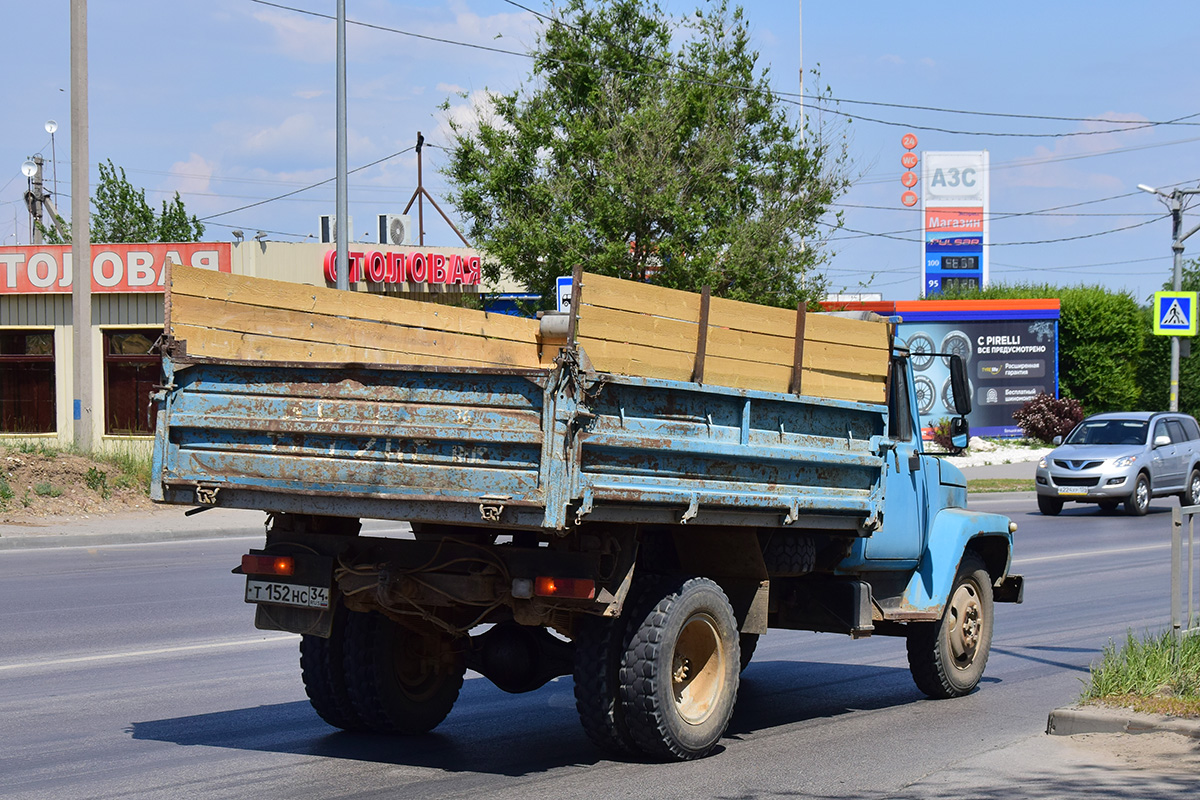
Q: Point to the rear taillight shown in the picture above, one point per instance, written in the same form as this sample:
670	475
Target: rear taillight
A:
575	588
268	565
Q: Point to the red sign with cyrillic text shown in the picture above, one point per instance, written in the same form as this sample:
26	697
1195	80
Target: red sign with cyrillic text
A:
378	267
140	267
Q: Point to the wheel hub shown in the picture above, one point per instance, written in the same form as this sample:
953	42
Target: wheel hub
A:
966	625
697	669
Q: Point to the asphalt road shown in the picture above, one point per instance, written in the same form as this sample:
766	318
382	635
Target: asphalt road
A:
135	671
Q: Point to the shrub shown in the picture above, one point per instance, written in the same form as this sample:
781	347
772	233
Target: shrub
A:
941	434
1045	416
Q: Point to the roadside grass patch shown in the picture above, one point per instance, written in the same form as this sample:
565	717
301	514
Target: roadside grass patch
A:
1000	485
47	490
1156	674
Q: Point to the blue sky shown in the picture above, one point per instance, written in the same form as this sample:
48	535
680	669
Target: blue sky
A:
231	102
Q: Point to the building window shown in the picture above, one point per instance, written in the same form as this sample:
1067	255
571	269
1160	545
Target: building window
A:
130	375
27	402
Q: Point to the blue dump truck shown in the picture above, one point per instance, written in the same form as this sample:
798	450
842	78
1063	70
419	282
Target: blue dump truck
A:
638	532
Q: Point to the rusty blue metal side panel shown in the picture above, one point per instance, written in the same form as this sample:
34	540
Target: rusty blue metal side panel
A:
560	440
715	448
355	431
952	529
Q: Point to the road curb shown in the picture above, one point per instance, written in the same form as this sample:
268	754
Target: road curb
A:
1100	719
33	541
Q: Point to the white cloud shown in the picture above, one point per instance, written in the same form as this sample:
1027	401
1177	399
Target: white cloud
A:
193	175
450	88
309	94
1065	165
300	37
467	115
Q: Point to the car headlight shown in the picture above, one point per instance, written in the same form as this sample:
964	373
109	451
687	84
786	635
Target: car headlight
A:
1042	463
1125	461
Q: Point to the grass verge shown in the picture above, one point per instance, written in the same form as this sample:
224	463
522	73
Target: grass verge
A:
1000	485
1156	674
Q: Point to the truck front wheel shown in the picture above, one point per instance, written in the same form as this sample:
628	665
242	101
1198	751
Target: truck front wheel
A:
400	680
679	673
947	657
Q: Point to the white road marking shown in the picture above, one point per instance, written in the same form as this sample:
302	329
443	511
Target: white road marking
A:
1085	553
158	651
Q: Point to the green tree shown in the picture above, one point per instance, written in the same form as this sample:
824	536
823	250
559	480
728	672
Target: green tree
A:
121	214
1101	341
648	148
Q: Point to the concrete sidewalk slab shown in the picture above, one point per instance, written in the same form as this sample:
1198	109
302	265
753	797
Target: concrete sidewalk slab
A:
1103	719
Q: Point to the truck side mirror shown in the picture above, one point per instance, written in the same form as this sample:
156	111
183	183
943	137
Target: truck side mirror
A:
959	385
960	433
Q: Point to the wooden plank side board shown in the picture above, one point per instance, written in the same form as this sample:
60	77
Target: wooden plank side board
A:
641	298
648	331
637	360
266	293
323	329
242	346
629	327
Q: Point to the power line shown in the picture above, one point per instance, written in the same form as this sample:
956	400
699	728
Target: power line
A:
304	188
793	98
893	234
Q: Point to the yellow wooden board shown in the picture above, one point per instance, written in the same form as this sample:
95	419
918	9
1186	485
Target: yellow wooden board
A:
641	298
351	305
234	316
636	329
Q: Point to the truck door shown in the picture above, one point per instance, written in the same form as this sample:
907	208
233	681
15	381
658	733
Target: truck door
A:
905	507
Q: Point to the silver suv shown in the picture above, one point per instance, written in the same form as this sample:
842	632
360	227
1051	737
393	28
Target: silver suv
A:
1111	459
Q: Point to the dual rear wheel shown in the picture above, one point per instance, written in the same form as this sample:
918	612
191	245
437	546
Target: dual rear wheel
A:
662	680
373	674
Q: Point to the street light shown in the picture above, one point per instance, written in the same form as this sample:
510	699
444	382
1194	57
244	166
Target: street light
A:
1174	203
51	127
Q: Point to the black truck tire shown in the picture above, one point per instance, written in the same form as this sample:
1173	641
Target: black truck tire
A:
598	649
400	681
790	554
679	673
947	657
322	668
748	642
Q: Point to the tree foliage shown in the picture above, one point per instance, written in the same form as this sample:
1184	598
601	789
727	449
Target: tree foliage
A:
651	149
121	214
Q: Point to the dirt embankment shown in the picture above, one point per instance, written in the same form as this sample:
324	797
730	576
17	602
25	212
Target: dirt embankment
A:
36	485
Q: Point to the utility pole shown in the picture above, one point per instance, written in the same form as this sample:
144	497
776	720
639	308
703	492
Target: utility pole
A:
35	196
1174	203
81	233
342	236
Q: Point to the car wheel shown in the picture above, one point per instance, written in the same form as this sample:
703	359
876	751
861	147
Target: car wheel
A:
1109	506
1190	496
1138	502
1050	506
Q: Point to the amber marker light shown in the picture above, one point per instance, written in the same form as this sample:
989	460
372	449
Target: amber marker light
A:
574	588
268	565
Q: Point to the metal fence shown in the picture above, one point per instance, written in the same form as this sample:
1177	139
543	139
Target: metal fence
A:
1184	567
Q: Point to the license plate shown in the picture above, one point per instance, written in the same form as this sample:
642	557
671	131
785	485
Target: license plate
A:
1072	490
287	594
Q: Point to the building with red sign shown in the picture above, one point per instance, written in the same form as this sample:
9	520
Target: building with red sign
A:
127	282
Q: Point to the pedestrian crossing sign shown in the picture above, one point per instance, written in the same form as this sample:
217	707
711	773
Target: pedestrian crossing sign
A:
1175	313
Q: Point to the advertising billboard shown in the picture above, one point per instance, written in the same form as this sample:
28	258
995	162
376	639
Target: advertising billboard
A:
954	191
1009	362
